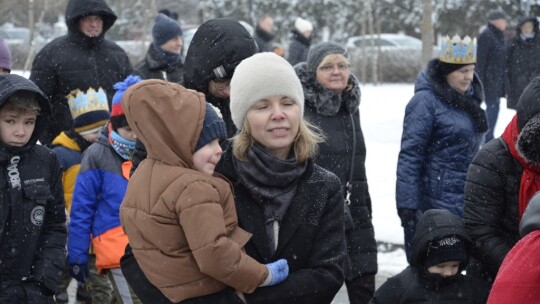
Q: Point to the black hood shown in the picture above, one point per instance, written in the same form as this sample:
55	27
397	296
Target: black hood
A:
530	220
217	47
436	224
11	83
526	19
529	102
76	9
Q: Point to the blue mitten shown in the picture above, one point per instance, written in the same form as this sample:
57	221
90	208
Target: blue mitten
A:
277	272
79	272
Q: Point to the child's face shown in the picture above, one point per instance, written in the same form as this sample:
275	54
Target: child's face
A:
92	137
126	133
16	127
446	269
206	158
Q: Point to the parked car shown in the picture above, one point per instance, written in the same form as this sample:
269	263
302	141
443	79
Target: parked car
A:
387	41
14	35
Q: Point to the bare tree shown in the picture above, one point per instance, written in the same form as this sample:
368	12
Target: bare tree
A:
427	32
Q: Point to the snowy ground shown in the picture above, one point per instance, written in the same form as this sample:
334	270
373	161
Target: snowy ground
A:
382	109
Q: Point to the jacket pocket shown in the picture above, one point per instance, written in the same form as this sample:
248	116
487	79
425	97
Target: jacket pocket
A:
35	206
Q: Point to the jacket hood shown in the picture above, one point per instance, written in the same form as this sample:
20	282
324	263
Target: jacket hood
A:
217	47
527	19
529	102
167	118
11	83
76	9
436	224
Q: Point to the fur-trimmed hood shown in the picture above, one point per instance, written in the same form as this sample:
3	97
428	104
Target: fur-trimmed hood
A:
325	101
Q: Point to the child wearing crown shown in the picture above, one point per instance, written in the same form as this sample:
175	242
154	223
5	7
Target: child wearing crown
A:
442	131
90	112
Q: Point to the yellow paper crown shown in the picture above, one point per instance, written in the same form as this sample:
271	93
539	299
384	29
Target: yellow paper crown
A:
458	51
80	102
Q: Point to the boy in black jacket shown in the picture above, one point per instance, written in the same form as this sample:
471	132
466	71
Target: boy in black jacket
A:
32	216
440	253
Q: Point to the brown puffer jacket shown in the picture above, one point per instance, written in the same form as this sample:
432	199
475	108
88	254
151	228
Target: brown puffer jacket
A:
181	223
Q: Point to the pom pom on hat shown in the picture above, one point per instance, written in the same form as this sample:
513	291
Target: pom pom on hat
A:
260	76
118	118
445	250
302	25
164	30
5	56
321	50
213	127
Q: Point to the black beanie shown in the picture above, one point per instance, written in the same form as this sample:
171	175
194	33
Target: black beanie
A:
164	30
447	68
447	249
213	127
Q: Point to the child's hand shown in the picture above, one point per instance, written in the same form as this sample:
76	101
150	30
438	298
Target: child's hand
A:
278	272
79	272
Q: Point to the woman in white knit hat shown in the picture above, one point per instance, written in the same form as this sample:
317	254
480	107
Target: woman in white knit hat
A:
293	208
299	41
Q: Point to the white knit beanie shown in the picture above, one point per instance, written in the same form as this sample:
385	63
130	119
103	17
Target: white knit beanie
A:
260	76
302	25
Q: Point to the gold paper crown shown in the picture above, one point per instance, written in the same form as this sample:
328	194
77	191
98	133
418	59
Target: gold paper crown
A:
458	51
80	103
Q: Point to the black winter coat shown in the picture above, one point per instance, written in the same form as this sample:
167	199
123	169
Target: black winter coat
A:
491	213
416	285
154	66
521	62
491	61
263	39
298	48
310	237
339	118
32	210
76	61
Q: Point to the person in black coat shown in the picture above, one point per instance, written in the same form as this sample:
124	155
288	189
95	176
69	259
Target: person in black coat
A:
334	108
501	179
79	60
32	210
490	66
163	59
299	41
293	207
521	63
263	33
440	253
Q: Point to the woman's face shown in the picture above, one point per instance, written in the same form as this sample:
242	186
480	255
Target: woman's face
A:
460	80
274	122
527	28
334	74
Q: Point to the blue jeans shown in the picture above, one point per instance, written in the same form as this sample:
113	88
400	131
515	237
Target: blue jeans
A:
492	112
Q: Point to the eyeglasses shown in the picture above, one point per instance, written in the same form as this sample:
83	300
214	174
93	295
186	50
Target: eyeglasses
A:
222	84
327	68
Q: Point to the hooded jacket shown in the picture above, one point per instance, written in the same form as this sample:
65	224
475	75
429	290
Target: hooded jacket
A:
521	63
442	131
32	216
181	223
518	279
76	61
491	214
416	285
217	47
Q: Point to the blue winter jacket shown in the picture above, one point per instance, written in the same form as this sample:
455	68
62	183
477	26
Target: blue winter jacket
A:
442	132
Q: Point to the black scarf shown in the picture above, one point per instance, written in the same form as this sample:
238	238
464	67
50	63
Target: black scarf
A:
468	102
272	183
296	35
325	101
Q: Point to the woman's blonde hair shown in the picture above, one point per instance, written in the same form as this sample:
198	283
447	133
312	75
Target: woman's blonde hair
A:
305	145
331	57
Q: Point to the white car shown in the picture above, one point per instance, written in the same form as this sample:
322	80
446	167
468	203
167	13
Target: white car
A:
387	41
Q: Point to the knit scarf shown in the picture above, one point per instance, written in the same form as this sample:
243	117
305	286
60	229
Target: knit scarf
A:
168	57
272	183
124	147
530	178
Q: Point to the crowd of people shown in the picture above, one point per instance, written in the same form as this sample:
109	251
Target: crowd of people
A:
237	174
